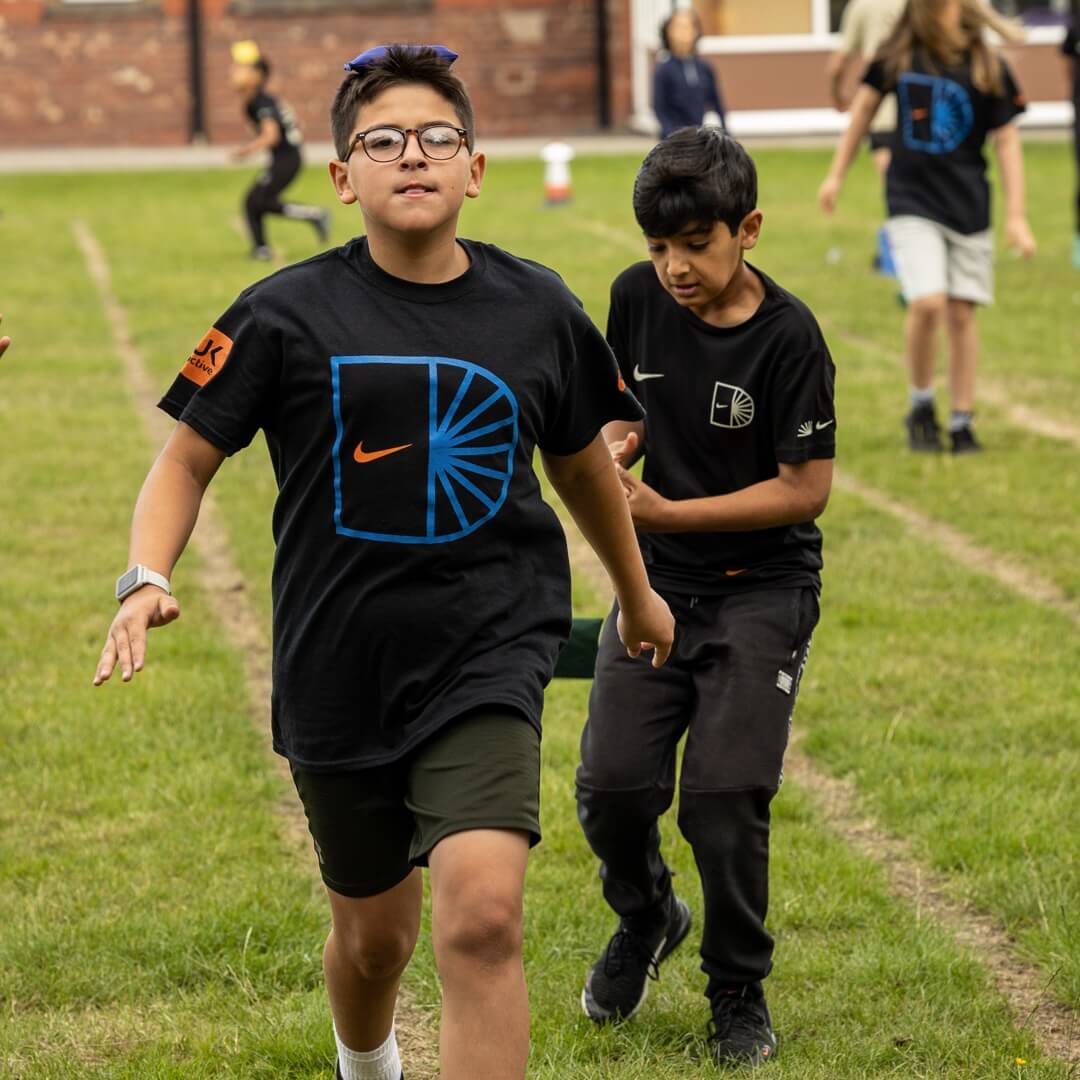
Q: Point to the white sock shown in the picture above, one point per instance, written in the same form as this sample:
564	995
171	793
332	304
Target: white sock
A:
382	1063
921	397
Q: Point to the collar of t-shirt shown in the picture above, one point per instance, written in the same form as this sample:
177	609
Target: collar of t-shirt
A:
358	255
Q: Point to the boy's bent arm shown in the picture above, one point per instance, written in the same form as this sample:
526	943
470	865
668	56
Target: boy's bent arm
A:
589	486
165	514
799	493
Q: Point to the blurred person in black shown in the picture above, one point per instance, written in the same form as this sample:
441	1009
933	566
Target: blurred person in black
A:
276	131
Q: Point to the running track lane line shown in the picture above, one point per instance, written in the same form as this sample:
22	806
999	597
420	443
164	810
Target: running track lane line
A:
1025	989
229	598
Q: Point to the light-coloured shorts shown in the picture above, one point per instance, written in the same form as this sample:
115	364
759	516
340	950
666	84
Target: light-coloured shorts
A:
931	258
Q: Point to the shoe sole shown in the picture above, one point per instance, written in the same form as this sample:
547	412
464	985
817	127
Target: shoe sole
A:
665	949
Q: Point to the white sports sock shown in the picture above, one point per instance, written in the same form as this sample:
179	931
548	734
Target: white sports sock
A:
921	397
382	1063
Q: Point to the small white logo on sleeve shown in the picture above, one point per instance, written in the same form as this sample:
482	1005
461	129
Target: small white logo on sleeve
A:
806	428
784	681
822	424
641	376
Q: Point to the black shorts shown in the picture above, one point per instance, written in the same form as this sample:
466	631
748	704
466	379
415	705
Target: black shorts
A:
372	826
881	140
730	684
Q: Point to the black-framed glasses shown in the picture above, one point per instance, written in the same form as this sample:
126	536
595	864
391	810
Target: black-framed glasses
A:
439	142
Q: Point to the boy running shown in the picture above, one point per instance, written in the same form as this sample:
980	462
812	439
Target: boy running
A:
738	442
421	584
276	131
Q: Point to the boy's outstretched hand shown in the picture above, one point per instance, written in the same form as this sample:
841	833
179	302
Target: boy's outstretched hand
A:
648	625
126	643
4	341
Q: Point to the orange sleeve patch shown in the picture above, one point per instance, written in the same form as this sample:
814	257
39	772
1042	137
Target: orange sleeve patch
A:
208	358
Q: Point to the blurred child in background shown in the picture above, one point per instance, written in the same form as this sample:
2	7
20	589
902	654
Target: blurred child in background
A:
277	132
952	91
1071	48
684	85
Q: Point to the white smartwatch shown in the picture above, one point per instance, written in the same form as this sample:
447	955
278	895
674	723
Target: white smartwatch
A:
136	578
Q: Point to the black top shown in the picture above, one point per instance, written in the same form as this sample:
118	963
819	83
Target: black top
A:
937	169
723	407
264	107
418	572
1071	48
684	90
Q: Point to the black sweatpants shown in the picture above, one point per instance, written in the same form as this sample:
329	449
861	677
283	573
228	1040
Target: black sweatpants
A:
264	196
730	685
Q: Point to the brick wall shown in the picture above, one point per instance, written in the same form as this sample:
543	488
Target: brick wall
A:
117	75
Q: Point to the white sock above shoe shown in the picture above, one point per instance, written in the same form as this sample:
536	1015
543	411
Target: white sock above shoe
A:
382	1063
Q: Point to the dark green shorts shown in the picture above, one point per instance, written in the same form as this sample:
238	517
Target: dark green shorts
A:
372	826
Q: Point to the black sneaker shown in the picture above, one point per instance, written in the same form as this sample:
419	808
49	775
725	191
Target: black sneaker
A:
618	983
922	428
742	1031
964	441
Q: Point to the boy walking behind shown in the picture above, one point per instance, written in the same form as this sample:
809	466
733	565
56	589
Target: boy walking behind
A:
421	584
738	443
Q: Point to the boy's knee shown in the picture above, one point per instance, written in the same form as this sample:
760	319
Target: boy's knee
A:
376	954
483	926
928	309
961	314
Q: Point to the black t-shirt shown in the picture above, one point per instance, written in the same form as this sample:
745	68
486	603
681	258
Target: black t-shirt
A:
1071	48
418	572
938	170
264	107
724	405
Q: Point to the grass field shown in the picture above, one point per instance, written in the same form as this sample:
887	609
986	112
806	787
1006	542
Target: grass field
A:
159	920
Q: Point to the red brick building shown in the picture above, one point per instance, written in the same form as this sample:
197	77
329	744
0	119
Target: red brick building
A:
121	72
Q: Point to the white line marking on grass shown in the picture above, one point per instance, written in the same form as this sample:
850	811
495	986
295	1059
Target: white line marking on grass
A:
1018	579
227	592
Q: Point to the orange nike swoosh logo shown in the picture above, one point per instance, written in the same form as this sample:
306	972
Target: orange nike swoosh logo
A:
362	456
919	114
735	573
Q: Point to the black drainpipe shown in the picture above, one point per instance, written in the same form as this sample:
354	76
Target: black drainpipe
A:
603	67
195	72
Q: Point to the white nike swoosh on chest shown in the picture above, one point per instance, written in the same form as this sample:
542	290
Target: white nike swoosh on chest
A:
641	376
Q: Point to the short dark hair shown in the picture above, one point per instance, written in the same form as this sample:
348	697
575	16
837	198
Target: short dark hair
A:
665	41
400	65
695	176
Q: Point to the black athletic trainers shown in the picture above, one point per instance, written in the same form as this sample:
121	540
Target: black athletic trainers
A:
922	428
742	1031
618	983
964	441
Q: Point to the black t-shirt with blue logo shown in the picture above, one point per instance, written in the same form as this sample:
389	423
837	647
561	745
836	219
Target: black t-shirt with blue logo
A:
418	573
724	406
938	170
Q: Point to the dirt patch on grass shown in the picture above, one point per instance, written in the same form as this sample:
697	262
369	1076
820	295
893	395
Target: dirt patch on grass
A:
1024	987
229	597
